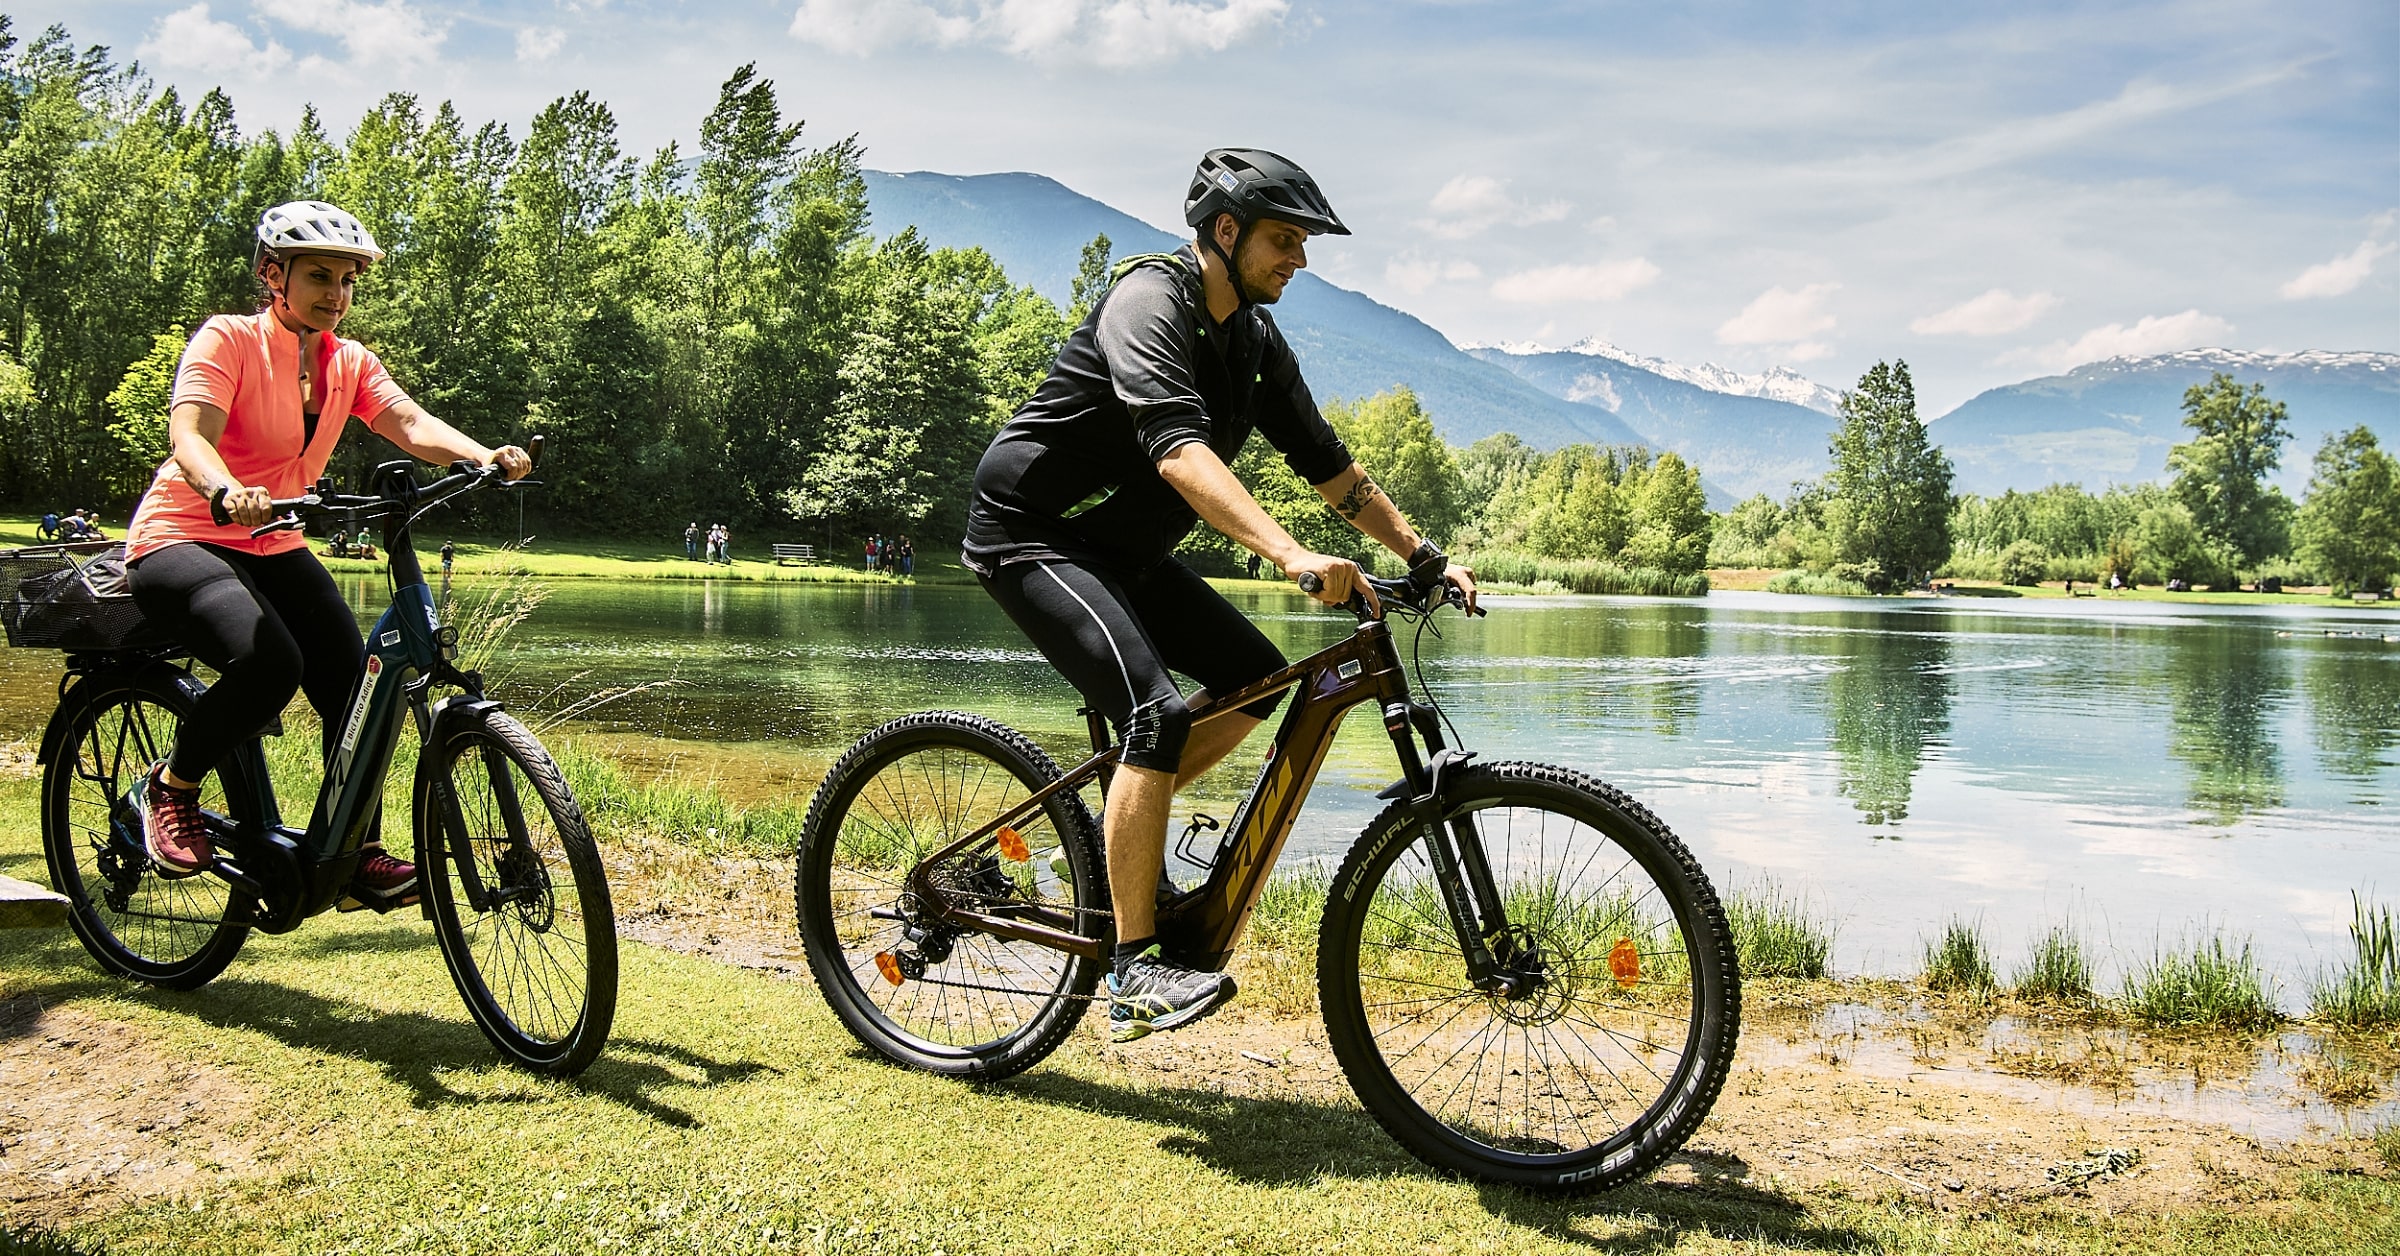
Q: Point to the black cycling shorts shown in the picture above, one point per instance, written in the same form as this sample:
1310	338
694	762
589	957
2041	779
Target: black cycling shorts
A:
1115	636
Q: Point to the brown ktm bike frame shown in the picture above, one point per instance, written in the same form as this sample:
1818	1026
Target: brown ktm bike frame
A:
1200	926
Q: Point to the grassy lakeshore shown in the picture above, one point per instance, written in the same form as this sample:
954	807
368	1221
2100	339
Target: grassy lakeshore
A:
329	1094
1756	579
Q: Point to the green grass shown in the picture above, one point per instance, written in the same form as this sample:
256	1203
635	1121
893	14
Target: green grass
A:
2365	992
1816	582
2387	1145
1578	575
1958	961
2056	970
2206	983
1777	935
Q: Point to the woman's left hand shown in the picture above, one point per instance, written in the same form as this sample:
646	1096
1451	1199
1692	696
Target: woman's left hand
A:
512	461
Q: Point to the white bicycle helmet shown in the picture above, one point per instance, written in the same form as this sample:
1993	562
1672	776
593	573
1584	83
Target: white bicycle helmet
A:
316	227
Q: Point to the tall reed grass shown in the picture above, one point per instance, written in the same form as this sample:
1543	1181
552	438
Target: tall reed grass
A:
1959	960
2204	983
1777	935
2056	970
1580	575
2365	992
1817	582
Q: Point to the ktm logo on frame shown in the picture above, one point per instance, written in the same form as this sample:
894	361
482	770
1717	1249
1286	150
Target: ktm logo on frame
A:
1262	814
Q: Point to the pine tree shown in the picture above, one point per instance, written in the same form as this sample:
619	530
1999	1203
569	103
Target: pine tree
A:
1889	490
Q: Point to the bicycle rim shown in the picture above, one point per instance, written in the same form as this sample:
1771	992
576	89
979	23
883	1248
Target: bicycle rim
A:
176	933
520	903
1621	1030
965	1002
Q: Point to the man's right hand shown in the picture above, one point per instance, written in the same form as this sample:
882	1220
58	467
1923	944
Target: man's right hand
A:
1337	579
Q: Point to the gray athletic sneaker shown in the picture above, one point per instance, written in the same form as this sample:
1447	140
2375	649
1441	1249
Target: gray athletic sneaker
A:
1152	994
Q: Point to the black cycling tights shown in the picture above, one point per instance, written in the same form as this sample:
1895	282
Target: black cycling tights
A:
268	624
1113	635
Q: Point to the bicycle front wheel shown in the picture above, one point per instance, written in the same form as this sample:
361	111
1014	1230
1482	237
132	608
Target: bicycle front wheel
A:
175	933
915	989
1609	1039
519	902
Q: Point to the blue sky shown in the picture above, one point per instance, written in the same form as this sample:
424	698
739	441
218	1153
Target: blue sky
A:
1992	192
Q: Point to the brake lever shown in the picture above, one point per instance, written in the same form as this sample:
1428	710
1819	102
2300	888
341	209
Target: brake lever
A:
288	523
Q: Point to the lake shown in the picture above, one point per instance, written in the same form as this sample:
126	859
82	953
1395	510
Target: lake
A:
2140	769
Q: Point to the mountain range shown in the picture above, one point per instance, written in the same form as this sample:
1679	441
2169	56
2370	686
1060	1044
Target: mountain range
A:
2103	423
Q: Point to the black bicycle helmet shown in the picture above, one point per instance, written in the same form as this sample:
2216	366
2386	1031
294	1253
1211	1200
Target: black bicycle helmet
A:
1252	183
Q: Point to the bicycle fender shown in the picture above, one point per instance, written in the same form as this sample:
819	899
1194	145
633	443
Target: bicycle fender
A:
1443	770
54	733
453	711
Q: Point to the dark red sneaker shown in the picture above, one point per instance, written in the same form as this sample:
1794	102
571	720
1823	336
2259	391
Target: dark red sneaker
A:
383	881
171	827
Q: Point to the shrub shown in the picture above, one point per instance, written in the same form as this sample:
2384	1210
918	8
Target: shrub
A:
2057	970
2207	983
2024	562
1777	936
1958	960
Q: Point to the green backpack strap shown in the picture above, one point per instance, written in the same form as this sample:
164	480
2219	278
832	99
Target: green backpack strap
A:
1172	261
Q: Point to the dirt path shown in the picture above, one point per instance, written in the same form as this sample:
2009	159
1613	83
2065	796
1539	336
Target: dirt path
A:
1869	1090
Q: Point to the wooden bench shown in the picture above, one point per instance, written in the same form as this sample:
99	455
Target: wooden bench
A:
806	555
24	905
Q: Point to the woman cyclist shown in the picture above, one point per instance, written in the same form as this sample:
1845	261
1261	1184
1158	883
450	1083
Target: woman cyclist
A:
260	402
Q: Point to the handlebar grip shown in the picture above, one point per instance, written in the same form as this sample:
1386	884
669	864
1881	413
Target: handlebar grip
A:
533	449
216	506
1310	582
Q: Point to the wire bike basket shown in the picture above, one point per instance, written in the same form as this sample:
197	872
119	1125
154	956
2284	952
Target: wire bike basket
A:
72	597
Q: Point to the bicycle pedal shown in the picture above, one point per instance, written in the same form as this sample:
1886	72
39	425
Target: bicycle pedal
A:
351	901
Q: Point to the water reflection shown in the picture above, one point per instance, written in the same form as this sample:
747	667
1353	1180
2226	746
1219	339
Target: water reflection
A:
2224	689
1886	708
2354	707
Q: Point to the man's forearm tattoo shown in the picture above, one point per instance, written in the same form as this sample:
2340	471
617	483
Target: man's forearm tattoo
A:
1361	491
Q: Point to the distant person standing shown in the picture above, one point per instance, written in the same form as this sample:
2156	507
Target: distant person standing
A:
725	544
449	556
49	529
691	540
870	553
908	558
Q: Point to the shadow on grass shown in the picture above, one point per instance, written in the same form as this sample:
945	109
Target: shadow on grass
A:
1290	1142
415	1049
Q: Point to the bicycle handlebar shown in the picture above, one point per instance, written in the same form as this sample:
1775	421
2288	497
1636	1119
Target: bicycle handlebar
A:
1406	591
464	475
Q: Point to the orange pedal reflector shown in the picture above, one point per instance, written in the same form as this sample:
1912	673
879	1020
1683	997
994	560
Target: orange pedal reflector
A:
1012	845
888	966
1624	963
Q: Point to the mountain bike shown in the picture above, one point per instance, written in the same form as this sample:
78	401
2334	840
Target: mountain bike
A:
508	873
1524	975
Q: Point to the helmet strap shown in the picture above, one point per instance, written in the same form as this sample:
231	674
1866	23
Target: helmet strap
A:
1233	274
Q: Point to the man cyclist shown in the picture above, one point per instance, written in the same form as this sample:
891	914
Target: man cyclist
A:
1084	494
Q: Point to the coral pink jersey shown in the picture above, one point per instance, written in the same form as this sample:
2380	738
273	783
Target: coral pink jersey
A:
248	365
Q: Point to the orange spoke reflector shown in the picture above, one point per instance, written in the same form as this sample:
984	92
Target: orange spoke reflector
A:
1624	963
1012	845
889	967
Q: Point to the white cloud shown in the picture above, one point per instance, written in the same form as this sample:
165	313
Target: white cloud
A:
1105	32
1784	317
1472	203
539	43
191	39
1995	313
2154	334
2332	279
1560	285
391	33
1414	275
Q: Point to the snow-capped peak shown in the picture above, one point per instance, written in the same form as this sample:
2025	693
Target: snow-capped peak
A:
1776	383
2247	359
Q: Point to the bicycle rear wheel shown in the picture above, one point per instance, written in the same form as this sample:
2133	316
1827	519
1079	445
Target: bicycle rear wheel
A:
1620	1030
519	901
967	1004
173	933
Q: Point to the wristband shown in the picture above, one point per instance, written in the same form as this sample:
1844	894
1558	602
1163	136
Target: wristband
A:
1427	555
